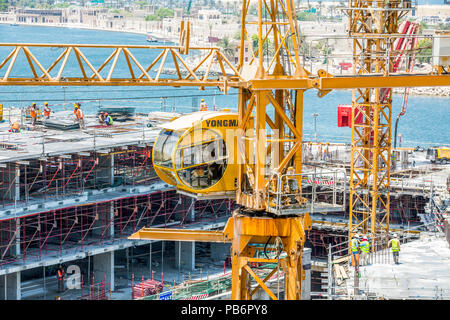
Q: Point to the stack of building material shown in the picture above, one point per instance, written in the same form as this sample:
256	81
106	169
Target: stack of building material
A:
146	288
61	124
119	114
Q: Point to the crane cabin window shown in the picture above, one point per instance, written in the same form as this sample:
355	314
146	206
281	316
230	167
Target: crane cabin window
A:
201	165
163	149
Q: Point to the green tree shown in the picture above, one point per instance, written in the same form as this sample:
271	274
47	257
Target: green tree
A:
424	50
306	16
160	14
141	4
228	48
4	5
268	48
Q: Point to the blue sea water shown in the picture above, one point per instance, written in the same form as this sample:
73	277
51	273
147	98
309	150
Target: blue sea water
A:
426	122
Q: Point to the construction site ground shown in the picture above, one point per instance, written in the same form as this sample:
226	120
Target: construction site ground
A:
423	272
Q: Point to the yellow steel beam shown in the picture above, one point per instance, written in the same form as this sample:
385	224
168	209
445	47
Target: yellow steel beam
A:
179	235
374	81
116	82
351	82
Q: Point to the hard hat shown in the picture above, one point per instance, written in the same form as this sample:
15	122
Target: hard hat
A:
203	99
356	235
46	103
395	235
34	104
106	113
364	238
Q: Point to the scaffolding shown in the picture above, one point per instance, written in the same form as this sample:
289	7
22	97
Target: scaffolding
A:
78	227
61	176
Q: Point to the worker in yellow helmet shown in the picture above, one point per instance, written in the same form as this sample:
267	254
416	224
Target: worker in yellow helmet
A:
15	127
47	111
354	244
33	114
79	115
365	249
203	106
395	245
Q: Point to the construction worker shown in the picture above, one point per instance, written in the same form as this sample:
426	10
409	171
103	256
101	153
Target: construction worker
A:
354	245
203	106
395	245
79	115
60	276
327	151
47	111
365	249
101	117
33	114
108	119
15	127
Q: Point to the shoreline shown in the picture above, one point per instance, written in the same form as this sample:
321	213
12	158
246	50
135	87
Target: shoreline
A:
85	27
443	92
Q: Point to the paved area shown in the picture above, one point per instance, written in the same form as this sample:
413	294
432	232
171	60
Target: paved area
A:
423	272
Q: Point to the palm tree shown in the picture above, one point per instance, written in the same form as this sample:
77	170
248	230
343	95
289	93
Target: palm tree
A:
228	48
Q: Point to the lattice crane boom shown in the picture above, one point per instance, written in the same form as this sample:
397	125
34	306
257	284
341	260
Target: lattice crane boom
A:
271	82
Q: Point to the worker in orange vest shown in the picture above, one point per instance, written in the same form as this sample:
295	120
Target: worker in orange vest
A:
79	115
203	106
33	113
15	127
60	276
47	111
327	151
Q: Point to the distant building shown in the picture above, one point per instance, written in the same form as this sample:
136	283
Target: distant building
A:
209	15
40	15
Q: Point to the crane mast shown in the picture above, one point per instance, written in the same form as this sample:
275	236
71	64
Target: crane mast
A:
271	83
373	28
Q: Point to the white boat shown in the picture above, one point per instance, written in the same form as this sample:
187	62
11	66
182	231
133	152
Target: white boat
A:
151	38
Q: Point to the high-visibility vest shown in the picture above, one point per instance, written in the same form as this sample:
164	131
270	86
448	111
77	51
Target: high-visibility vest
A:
355	245
364	246
203	106
109	120
60	275
395	244
33	113
15	126
46	111
79	114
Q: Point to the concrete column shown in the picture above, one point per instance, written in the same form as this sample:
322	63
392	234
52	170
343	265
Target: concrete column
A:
192	211
16	249
105	170
10	288
219	251
17	184
104	265
111	219
13	177
306	284
111	169
185	255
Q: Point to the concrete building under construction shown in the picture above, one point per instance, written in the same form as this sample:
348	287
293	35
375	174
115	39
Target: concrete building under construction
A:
73	198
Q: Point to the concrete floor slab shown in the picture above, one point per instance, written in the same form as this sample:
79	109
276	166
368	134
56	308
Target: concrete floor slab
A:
423	272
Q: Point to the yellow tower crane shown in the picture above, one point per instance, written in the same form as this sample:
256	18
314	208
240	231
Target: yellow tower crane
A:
269	148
